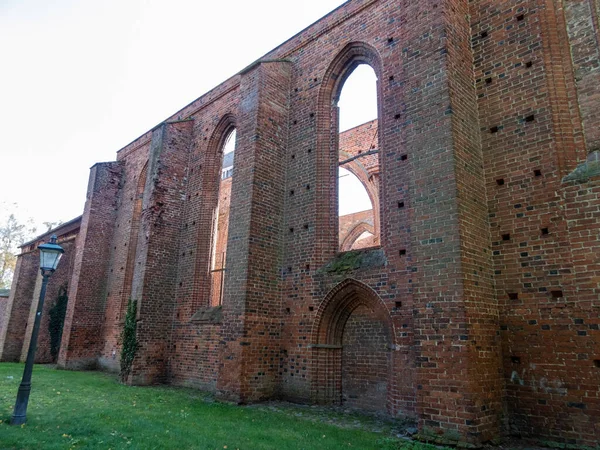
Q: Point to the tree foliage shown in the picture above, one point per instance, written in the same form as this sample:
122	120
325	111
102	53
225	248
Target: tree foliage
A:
12	234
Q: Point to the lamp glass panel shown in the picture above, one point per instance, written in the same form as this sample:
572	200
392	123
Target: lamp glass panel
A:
49	259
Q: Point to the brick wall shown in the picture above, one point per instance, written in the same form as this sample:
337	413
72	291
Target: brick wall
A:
23	301
475	308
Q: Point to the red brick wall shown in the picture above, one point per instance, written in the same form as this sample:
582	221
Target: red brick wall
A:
365	361
82	332
485	284
22	303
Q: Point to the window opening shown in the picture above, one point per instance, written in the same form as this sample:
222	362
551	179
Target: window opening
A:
221	219
358	171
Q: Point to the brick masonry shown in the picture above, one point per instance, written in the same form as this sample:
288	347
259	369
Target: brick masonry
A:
474	309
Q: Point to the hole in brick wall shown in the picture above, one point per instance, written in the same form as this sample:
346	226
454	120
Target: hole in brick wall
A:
195	347
545	231
520	17
307	267
397	116
400	204
483	34
287	310
311	308
308	187
180	283
556	293
500	181
402	252
597	363
305	226
513	296
311	115
506	237
315	80
291	229
391	78
403	157
292	192
494	130
295	89
289	269
293	156
515	359
528	64
390	40
530	118
295	122
398	304
488	81
194	222
309	150
537	173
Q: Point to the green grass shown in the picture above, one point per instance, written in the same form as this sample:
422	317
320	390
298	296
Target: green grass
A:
92	410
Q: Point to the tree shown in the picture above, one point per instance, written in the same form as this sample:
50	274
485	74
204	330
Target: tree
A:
12	234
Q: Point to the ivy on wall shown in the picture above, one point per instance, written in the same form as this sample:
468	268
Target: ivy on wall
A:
129	339
56	320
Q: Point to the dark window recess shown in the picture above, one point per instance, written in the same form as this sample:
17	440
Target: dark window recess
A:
513	295
545	231
537	172
528	64
398	304
402	252
506	237
483	34
520	17
311	308
403	157
390	40
556	294
500	181
400	204
488	81
494	129
397	116
530	118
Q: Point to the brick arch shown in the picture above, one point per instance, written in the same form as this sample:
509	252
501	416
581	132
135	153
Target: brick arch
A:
350	57
339	303
353	235
209	184
327	337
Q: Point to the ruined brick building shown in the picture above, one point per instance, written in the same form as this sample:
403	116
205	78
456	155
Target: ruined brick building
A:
471	302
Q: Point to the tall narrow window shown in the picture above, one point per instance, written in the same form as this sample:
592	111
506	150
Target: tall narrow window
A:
358	173
221	219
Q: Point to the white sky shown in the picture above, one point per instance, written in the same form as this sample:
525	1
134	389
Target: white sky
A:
80	79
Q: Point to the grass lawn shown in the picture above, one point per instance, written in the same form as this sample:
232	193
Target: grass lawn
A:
92	410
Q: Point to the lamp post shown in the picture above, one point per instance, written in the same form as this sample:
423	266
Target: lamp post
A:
50	254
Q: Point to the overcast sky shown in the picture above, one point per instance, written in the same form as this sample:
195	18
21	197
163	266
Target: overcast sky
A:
80	79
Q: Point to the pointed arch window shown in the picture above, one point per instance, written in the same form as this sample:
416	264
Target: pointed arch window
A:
221	218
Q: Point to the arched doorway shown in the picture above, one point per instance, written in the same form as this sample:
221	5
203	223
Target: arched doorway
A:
351	350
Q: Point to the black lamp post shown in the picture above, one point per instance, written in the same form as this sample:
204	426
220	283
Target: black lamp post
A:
50	254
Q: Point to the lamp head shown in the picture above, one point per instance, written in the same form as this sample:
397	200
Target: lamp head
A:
50	254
